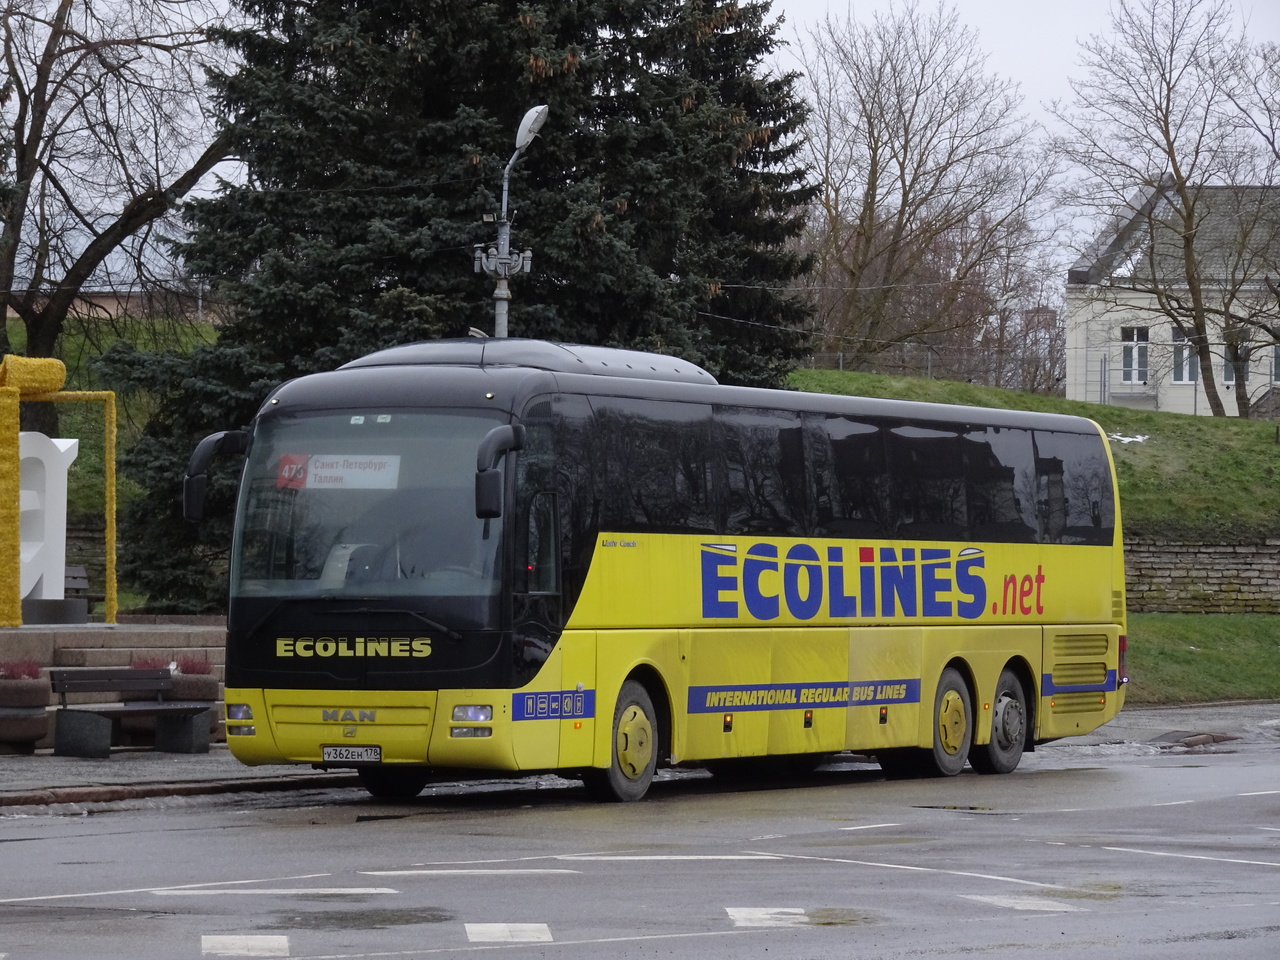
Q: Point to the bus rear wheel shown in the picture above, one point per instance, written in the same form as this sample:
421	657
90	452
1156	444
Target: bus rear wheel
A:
952	725
635	749
1008	728
393	783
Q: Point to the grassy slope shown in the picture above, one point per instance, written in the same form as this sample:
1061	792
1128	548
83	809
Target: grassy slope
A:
1192	478
1181	658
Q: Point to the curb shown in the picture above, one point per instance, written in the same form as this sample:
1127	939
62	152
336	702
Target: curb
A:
110	793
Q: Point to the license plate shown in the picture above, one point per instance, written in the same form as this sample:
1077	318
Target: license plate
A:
351	754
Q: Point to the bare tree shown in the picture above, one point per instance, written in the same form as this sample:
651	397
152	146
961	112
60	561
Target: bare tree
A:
1021	343
1259	100
103	134
1155	129
929	176
1260	104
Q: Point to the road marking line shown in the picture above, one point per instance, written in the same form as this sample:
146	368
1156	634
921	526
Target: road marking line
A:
1273	829
1043	904
508	933
630	857
1259	793
902	866
1173	803
422	952
425	872
871	826
767	916
474	863
278	892
187	886
244	946
1193	856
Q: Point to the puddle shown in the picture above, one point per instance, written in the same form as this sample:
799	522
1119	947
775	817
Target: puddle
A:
359	919
838	917
1100	893
951	806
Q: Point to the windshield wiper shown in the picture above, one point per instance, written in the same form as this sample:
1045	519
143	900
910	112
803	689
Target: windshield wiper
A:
433	624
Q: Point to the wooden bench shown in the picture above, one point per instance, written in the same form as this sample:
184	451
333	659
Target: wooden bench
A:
86	729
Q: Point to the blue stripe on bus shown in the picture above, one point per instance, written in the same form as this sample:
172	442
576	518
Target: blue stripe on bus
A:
553	705
801	696
1048	688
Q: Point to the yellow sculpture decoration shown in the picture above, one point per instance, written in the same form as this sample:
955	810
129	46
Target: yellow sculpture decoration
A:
38	378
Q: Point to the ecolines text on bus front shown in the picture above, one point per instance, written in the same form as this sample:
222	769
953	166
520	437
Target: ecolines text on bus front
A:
763	582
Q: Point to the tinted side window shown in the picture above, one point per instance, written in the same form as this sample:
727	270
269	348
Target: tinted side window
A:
850	488
760	471
1075	501
654	459
555	473
1001	493
928	498
578	458
535	481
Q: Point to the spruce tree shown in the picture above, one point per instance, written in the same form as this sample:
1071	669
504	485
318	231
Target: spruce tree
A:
659	201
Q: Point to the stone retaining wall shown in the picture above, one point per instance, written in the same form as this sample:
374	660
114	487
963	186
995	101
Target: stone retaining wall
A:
1165	577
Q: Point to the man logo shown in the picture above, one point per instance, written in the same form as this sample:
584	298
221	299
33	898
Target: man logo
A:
349	716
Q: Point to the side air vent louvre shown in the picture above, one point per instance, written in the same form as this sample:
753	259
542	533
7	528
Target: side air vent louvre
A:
1080	645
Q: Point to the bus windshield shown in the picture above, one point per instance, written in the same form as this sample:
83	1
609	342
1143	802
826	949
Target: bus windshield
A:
376	503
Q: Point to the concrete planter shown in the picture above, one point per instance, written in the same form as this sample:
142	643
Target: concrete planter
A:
23	717
193	686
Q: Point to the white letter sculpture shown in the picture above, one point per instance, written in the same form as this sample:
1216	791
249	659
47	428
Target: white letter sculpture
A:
43	526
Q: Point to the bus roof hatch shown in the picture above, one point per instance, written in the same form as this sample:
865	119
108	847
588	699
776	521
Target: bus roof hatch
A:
538	355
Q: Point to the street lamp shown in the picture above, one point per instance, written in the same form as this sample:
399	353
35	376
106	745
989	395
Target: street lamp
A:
498	261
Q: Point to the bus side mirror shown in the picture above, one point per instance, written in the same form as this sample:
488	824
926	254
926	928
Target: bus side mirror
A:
496	443
195	483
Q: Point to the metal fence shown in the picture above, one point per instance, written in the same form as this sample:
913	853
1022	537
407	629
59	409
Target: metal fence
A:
976	365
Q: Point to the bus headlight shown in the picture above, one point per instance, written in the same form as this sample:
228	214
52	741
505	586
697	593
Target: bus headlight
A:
472	713
237	713
470	732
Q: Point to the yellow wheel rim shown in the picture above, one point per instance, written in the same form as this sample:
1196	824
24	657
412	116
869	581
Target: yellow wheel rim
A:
952	723
634	742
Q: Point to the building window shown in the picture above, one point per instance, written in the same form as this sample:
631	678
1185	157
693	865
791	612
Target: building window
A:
1275	362
1229	370
1186	364
1134	357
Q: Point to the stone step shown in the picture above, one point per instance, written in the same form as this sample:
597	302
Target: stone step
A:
160	637
124	656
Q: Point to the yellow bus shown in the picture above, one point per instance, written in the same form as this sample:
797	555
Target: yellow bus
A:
514	555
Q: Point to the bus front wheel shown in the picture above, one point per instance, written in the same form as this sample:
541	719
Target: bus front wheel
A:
1008	728
634	748
952	724
393	783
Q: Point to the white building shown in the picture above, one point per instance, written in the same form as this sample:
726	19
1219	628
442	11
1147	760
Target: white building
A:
1131	309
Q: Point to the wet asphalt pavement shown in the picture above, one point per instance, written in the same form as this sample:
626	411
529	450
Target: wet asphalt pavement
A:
133	773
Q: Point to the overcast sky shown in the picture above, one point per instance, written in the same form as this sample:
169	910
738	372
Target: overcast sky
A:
1032	42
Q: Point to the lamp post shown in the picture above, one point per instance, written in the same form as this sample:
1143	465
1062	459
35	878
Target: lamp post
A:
498	261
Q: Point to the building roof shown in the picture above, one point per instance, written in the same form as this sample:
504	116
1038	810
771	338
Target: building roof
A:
1237	238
